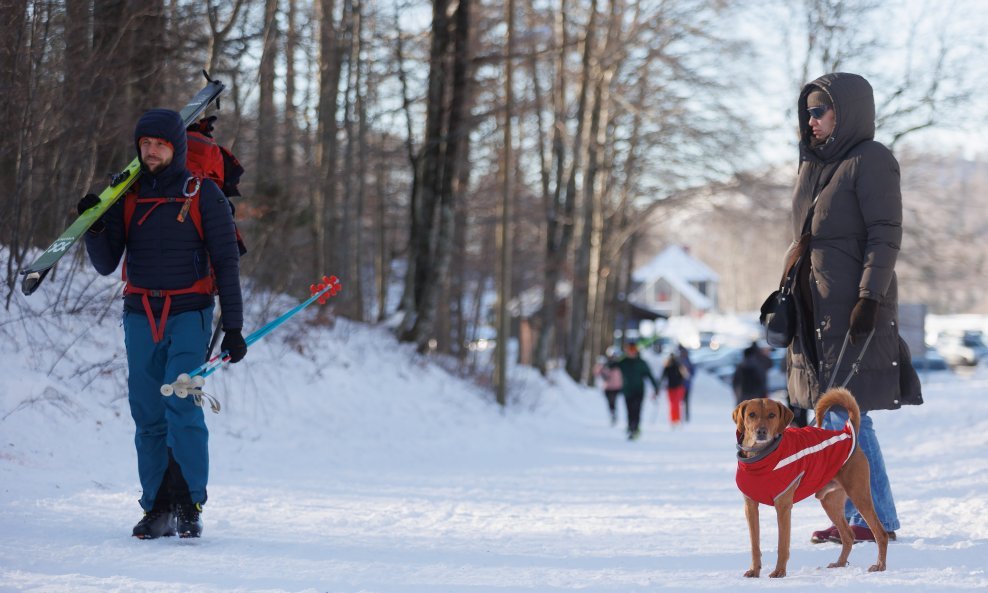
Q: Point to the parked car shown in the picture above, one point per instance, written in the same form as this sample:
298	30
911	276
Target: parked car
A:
777	374
966	347
723	367
930	361
710	359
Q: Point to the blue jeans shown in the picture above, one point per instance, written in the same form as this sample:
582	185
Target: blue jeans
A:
171	422
881	490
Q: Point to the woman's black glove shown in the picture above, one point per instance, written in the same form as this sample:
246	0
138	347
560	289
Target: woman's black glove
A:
233	342
864	315
87	202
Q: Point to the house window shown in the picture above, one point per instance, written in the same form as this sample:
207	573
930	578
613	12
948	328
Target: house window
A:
701	287
662	292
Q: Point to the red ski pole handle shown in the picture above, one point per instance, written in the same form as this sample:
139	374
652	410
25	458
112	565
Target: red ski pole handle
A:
329	287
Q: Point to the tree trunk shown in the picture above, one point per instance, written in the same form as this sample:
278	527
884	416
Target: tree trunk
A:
423	235
456	141
587	259
290	125
576	358
572	354
361	169
76	123
504	237
408	296
558	227
14	80
269	192
109	54
327	147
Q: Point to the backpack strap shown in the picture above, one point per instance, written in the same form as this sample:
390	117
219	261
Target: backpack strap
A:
204	285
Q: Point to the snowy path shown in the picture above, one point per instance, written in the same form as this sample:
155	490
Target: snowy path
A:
528	502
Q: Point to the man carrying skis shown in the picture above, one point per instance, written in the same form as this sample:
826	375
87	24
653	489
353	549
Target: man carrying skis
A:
181	248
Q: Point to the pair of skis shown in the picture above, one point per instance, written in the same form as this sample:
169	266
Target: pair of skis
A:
191	383
35	273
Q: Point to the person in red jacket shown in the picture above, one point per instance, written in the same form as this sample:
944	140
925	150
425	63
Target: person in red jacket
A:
674	377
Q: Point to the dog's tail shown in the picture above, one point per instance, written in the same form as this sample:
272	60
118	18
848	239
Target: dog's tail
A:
841	397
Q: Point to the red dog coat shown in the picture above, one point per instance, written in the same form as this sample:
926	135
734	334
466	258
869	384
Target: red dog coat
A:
811	456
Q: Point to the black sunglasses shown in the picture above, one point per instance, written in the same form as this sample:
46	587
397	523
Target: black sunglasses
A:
818	112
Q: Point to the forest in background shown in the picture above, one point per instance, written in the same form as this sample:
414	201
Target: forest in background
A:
431	153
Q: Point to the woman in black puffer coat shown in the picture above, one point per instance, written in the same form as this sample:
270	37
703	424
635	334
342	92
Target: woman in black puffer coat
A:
846	282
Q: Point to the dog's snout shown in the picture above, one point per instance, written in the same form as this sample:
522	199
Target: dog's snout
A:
762	433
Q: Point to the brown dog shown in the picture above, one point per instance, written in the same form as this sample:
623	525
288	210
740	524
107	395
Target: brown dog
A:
779	466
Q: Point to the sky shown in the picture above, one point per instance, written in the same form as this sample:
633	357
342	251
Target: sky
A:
912	33
344	462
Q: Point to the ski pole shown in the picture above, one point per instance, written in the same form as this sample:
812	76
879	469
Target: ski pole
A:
215	338
186	382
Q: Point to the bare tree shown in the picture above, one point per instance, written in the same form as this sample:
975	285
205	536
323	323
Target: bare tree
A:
504	235
219	32
433	214
327	146
15	80
265	168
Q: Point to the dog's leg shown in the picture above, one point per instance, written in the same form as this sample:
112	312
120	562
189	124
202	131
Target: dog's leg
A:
857	483
783	512
751	514
832	499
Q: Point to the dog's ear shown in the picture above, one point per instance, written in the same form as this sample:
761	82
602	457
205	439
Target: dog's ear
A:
786	414
738	415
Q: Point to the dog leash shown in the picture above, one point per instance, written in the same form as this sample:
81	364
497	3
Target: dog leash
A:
855	366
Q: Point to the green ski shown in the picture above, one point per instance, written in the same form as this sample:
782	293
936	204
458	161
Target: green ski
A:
119	184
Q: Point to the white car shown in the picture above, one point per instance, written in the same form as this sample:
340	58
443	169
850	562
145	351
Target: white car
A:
965	347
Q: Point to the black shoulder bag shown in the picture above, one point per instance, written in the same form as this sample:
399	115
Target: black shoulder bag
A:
778	312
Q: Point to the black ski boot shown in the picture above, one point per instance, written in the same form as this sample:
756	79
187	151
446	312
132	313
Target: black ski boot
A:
155	524
189	520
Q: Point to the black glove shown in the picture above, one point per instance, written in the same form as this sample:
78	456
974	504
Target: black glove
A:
87	202
233	342
864	315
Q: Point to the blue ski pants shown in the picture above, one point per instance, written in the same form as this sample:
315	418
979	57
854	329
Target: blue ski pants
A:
167	422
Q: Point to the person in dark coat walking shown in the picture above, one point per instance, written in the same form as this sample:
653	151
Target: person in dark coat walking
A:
634	371
684	359
750	378
178	254
848	194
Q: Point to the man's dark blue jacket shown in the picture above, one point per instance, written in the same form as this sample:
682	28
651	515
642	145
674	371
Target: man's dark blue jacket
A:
163	253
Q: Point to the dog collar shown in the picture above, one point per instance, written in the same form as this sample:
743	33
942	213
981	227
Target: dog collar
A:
761	455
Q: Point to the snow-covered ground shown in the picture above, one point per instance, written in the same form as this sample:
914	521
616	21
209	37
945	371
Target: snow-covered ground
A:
342	462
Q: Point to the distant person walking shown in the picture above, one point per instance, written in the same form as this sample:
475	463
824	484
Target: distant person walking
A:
684	359
847	226
610	373
674	376
634	371
750	379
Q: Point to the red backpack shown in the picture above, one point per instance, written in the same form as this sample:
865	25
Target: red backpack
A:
209	160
